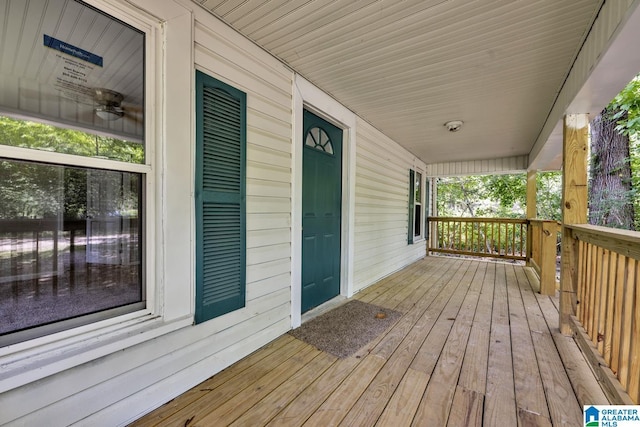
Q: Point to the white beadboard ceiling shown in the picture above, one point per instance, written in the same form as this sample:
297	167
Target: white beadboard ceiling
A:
409	66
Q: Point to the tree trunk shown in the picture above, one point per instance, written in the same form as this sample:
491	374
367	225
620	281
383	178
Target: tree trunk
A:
610	196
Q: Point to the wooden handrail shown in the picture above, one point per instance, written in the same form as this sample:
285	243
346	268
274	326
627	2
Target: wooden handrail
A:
484	237
606	321
624	242
479	219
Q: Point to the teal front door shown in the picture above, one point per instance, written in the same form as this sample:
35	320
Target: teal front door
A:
321	202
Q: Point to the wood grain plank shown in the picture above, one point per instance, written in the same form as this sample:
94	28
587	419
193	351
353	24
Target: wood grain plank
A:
603	306
574	207
384	287
430	283
611	293
562	402
467	326
467	408
627	320
404	402
531	419
584	383
264	410
220	395
373	401
608	381
438	320
336	407
412	287
500	402
441	389
528	383
431	302
265	356
473	375
235	407
616	340
310	399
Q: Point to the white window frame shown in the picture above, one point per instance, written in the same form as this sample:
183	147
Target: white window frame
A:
418	237
31	360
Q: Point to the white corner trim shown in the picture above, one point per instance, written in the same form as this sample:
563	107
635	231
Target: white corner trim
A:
306	95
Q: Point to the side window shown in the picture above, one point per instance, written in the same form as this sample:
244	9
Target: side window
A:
418	211
220	198
416	214
73	169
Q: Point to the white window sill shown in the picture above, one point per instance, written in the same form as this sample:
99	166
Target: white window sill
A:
33	360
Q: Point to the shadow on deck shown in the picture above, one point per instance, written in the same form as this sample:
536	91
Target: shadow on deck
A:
476	345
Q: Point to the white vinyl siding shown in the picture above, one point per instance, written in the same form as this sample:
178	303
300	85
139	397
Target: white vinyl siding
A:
236	61
118	388
515	164
381	208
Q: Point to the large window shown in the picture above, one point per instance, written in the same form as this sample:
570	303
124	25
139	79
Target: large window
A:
72	168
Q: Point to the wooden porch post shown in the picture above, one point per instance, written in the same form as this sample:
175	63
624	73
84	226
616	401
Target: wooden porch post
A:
531	194
574	208
531	209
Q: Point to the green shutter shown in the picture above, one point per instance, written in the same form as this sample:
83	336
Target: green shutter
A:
220	198
411	205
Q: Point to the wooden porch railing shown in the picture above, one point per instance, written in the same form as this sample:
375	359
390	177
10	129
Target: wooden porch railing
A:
534	241
486	237
605	278
543	239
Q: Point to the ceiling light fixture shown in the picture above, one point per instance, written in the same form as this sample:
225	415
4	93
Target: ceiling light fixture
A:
454	125
109	112
108	104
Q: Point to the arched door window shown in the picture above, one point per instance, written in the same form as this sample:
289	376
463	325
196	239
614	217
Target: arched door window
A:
317	138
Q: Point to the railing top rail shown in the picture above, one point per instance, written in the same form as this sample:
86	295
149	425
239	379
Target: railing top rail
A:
625	242
544	220
474	219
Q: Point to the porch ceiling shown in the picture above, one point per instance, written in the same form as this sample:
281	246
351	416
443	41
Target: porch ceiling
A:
409	66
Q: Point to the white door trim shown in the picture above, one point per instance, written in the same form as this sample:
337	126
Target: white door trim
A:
306	95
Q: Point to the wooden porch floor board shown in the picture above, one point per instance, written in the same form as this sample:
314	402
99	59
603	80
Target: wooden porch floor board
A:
473	374
439	394
499	403
562	401
475	346
584	384
466	409
529	390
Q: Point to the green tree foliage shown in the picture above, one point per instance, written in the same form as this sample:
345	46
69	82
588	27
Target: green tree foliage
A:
549	195
460	196
509	190
27	134
36	190
498	196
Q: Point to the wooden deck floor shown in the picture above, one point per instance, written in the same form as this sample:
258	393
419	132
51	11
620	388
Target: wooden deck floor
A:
476	345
